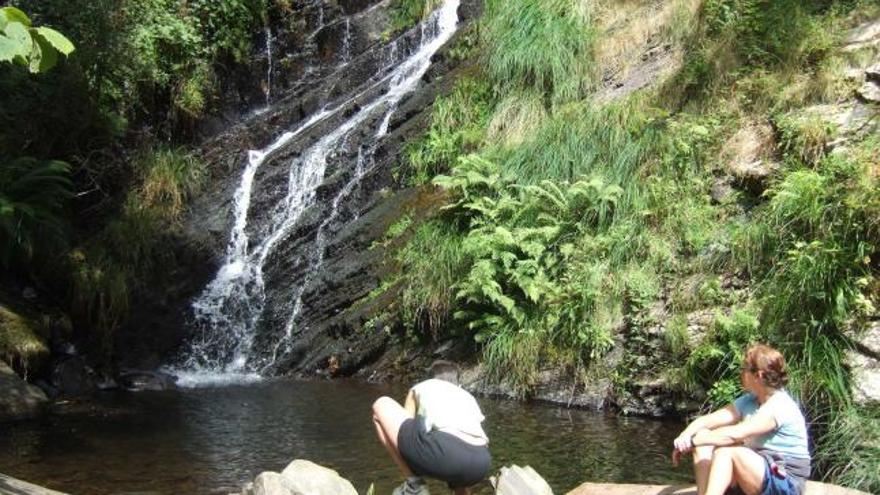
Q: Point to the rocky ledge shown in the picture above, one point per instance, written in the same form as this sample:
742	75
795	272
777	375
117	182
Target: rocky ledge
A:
303	477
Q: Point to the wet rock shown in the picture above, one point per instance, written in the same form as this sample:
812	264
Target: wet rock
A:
72	377
516	480
308	478
864	361
140	381
18	399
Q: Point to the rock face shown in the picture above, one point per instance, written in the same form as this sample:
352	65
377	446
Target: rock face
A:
864	361
322	264
301	477
516	480
18	399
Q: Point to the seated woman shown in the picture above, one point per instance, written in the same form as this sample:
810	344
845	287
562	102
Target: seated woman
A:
758	444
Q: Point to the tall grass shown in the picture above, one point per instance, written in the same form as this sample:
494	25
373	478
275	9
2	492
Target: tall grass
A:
577	140
851	448
431	263
106	271
541	45
458	125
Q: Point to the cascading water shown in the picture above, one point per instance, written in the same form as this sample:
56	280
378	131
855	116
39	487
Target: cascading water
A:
268	90
230	307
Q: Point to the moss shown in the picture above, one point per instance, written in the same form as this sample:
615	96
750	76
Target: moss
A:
22	340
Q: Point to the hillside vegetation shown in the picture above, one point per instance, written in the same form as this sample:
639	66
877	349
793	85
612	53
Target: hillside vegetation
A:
578	219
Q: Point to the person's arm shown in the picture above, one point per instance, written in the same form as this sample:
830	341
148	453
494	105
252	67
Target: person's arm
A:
758	424
411	404
720	418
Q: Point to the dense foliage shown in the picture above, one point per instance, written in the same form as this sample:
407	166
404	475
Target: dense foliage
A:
90	188
572	223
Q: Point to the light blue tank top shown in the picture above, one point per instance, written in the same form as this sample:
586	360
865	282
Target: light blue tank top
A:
790	436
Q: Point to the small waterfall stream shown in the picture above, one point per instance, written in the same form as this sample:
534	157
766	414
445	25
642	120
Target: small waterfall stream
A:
230	307
268	90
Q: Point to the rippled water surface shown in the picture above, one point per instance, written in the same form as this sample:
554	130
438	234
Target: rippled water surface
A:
207	441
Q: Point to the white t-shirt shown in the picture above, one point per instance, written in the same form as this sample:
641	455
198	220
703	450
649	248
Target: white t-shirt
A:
447	407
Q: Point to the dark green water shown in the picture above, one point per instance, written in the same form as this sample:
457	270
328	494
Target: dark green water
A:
210	441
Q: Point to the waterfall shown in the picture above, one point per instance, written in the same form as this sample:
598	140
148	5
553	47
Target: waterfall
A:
268	90
229	308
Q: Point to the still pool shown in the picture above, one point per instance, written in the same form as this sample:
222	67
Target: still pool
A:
211	440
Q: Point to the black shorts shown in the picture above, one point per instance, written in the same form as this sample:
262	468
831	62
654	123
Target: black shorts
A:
441	455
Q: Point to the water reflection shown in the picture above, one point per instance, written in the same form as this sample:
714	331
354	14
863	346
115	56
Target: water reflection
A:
209	441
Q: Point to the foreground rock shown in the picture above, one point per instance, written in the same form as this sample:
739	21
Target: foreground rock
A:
515	480
301	477
813	488
18	399
13	486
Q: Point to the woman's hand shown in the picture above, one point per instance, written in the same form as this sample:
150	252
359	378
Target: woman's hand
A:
684	443
681	445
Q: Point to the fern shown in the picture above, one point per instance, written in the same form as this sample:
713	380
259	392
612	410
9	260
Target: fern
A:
33	195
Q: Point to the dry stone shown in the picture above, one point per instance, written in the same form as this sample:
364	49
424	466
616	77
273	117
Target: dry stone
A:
307	478
866	367
870	92
270	483
516	480
13	486
813	488
863	36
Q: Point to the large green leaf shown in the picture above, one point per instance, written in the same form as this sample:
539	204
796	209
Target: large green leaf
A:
9	49
22	44
56	39
44	56
10	15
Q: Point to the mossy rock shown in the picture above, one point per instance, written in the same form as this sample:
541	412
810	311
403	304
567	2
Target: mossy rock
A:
21	338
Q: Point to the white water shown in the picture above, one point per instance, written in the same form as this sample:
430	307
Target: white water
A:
230	306
268	66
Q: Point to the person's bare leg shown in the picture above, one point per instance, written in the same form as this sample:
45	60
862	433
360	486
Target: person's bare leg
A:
740	465
388	415
702	463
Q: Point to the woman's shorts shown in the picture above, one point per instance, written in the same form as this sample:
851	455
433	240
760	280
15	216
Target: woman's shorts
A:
441	455
774	484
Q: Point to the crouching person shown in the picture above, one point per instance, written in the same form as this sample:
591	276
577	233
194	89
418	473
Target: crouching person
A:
437	433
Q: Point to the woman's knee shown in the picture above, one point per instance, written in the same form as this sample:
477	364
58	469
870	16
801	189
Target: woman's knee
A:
703	453
380	404
726	453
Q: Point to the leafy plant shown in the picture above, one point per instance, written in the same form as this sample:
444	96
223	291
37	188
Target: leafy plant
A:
33	197
36	48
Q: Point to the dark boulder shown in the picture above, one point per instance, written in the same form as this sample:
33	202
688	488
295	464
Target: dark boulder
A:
18	399
139	381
